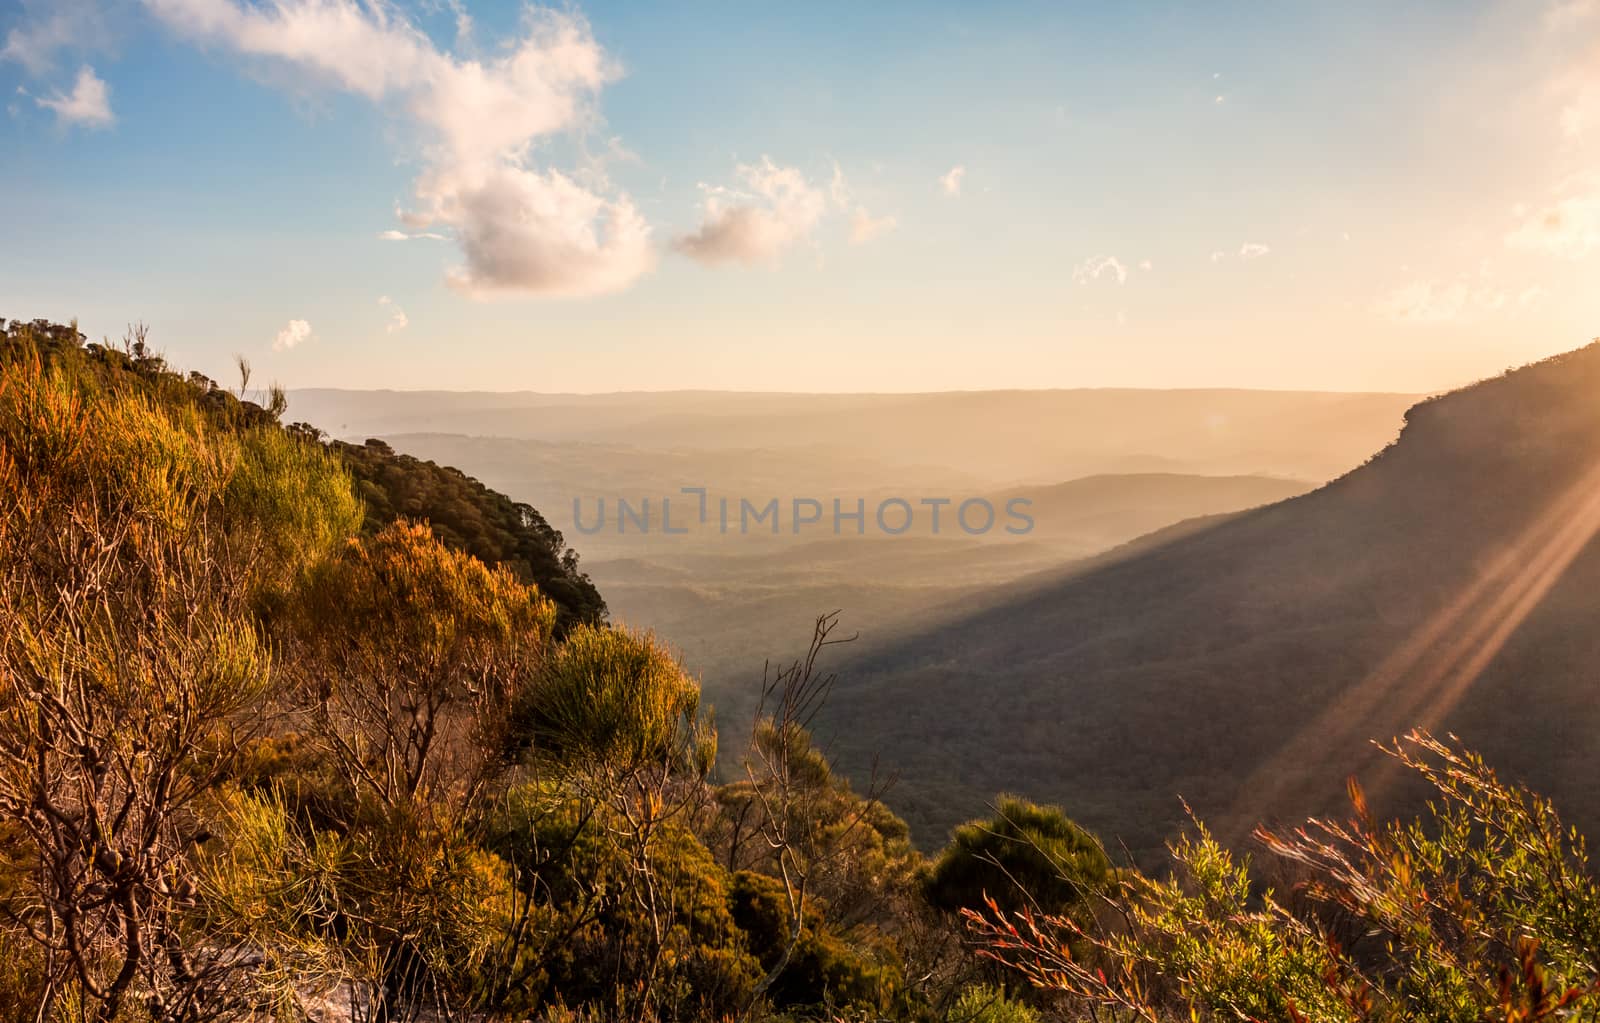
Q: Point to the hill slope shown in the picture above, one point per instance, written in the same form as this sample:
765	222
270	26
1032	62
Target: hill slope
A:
1450	582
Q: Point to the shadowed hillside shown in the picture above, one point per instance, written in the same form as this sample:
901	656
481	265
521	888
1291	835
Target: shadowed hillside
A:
729	609
1451	582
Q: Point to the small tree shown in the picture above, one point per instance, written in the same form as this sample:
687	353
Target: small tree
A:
794	820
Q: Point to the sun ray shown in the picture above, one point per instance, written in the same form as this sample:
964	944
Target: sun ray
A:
1429	672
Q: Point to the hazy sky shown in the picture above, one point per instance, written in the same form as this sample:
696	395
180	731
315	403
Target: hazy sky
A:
809	196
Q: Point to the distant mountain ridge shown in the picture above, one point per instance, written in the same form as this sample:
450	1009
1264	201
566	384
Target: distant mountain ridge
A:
1451	582
1004	437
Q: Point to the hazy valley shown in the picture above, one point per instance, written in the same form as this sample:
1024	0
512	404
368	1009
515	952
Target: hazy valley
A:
733	599
1083	663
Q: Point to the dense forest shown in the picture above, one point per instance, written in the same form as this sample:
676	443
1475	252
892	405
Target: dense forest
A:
296	730
468	516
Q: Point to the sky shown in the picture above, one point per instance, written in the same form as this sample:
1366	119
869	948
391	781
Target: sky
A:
479	194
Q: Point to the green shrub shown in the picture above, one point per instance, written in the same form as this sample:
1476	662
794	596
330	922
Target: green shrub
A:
612	696
985	1003
1026	855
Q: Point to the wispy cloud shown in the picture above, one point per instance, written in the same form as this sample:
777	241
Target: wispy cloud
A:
87	105
838	187
294	333
1431	302
1249	250
864	227
775	208
522	229
397	316
48	28
1096	267
1572	88
951	181
1568	14
392	235
1569	226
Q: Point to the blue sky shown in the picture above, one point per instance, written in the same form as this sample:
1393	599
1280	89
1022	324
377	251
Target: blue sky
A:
622	196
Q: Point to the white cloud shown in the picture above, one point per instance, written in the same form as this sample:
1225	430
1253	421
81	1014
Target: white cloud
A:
523	230
1218	256
1569	227
397	316
780	208
88	104
864	226
1145	264
951	181
293	334
392	235
1253	250
1092	269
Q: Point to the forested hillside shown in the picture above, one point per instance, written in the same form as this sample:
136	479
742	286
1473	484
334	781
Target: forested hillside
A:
462	512
467	515
1245	666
